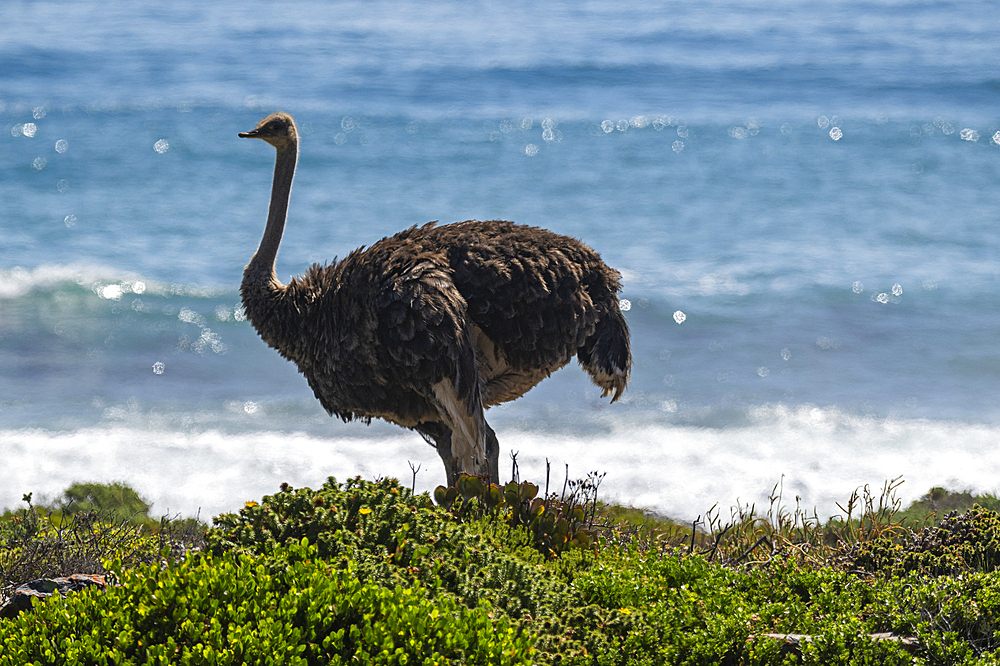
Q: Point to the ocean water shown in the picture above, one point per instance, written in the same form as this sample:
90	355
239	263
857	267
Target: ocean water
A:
802	199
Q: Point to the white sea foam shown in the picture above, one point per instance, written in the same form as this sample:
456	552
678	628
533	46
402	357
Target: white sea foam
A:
182	472
102	280
821	455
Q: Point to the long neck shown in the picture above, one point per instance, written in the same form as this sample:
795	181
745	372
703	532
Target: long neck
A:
265	299
284	171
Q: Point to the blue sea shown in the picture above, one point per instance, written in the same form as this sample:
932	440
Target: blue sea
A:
802	199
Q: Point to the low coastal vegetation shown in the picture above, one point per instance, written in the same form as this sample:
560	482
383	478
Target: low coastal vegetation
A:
368	572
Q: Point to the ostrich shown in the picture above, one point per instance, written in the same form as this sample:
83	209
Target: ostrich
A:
431	326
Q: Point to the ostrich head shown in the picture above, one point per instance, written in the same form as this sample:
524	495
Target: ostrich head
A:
278	129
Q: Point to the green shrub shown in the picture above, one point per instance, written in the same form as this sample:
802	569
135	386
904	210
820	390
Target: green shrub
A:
396	579
390	537
118	500
684	609
614	606
378	516
939	502
959	543
287	608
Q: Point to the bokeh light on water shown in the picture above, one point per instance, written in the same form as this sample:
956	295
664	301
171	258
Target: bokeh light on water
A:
111	292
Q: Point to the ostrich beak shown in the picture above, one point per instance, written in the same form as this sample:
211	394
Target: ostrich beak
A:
252	134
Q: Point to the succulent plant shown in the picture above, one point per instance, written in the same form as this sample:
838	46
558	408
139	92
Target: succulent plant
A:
554	524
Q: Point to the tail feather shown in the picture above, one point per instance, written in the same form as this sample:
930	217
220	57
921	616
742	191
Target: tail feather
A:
607	354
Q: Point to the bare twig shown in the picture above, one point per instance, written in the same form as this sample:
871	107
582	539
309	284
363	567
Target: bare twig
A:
413	488
749	550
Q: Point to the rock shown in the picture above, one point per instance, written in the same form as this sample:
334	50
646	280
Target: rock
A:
46	587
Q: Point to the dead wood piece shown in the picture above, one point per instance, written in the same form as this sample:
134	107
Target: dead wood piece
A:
793	642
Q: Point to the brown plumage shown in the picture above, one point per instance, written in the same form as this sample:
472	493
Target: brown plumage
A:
431	326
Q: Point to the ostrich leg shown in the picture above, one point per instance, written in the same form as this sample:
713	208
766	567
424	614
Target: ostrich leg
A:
492	454
438	435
